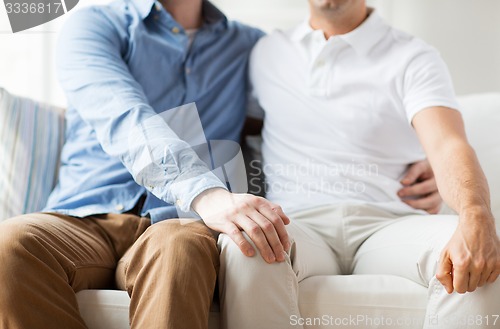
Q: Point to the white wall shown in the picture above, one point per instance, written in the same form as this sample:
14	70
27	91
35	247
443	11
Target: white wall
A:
266	14
466	32
27	58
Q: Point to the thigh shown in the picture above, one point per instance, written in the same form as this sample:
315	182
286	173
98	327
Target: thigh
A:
78	249
409	247
180	245
310	254
329	236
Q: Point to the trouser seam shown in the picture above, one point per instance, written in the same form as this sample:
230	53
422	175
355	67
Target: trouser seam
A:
343	266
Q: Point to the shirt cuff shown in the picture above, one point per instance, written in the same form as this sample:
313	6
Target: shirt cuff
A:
188	186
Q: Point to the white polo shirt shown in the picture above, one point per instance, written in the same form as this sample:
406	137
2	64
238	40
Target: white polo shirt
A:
338	112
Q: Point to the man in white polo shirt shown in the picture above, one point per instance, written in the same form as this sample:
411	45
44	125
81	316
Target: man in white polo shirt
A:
348	102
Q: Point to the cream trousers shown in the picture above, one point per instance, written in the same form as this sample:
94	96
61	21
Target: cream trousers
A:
342	240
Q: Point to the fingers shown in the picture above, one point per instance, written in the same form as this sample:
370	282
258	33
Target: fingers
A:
256	234
414	172
434	211
431	203
488	274
474	278
270	230
264	222
473	258
468	273
460	280
423	195
493	277
482	280
272	220
280	213
422	188
484	277
464	276
276	216
235	234
444	273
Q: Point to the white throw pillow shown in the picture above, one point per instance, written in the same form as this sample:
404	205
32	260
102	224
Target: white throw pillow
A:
31	136
481	113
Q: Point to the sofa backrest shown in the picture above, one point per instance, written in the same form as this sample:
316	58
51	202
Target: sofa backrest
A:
481	113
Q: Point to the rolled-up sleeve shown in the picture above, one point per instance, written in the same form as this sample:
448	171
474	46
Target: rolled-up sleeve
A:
98	84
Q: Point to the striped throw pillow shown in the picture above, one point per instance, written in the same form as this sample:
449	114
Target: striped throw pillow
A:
31	136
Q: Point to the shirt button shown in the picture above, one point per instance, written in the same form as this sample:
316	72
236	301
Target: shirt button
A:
175	30
179	202
119	207
188	70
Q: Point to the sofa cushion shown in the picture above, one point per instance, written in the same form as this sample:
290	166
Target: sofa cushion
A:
481	113
362	301
328	298
108	309
32	135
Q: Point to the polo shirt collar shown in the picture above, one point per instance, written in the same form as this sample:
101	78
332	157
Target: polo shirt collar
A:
368	34
212	16
362	39
302	31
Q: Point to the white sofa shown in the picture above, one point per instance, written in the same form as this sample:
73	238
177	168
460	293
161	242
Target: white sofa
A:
379	300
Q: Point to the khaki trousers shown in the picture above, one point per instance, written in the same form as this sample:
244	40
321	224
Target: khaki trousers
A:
169	269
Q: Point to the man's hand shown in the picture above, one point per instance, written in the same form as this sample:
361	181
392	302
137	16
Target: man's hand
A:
420	190
263	221
472	256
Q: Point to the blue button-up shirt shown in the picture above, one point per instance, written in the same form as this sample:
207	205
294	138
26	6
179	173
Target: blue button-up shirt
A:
122	64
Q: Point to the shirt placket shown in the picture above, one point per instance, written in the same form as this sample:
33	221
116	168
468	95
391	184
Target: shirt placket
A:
320	69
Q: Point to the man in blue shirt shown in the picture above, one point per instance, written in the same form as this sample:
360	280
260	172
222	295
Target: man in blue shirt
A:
123	167
120	66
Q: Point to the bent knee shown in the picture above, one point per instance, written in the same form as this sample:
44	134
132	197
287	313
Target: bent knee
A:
180	230
232	258
192	237
19	237
21	230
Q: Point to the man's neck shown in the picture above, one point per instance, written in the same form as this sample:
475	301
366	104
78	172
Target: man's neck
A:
188	13
338	22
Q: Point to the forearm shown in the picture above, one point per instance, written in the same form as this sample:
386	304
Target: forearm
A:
460	179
